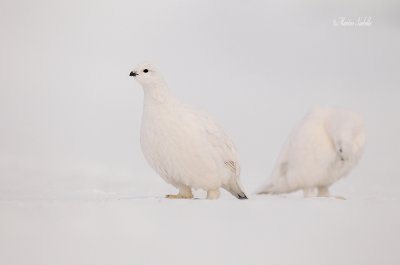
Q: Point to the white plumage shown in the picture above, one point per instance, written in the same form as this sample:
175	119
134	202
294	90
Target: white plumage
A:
184	146
323	148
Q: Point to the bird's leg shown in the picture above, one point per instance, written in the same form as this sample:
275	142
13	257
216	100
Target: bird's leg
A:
213	194
185	192
323	191
308	192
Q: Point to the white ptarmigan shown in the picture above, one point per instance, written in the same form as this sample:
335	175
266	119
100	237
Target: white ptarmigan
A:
184	146
322	149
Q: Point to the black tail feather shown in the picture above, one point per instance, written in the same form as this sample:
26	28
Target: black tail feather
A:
234	188
241	196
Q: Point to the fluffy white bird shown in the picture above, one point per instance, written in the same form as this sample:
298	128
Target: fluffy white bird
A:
184	146
322	149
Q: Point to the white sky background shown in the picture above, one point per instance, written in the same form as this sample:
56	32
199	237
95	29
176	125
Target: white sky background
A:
70	114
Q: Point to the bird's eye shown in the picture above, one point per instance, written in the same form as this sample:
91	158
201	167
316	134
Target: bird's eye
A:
145	71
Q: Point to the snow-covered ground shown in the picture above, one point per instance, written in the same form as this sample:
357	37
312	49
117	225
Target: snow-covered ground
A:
98	227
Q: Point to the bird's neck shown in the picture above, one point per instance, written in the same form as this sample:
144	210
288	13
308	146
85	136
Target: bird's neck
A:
156	91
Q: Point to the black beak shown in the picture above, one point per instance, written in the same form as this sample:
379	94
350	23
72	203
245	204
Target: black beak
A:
133	74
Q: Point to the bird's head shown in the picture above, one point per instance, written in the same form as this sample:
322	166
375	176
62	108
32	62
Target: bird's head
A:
147	75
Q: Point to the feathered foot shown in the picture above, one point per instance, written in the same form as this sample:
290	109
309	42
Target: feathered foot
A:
213	194
324	192
184	193
178	196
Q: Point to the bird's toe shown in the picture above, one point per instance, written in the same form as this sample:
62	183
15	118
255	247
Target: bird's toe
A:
178	196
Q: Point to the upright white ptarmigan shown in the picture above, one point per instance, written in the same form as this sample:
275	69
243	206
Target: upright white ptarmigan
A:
184	146
323	148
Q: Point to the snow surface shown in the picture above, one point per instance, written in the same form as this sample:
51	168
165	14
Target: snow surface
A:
99	227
